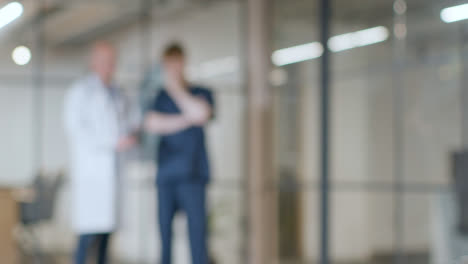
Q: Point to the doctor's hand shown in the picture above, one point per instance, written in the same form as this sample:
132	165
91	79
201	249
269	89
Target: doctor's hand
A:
126	143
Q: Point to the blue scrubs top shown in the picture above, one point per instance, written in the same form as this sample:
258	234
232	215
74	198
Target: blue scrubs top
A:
182	156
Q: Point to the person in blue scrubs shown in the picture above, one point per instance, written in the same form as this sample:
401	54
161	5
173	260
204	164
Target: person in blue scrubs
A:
178	115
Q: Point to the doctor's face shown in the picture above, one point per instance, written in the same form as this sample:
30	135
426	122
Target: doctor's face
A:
104	62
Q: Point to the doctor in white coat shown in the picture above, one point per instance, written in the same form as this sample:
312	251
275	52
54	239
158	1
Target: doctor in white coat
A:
97	130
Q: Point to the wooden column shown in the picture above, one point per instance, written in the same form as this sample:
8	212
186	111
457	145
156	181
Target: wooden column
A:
262	195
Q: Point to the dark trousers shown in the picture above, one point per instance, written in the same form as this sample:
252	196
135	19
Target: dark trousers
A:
86	243
190	198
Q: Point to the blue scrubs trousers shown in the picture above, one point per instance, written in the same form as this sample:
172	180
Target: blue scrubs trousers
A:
190	198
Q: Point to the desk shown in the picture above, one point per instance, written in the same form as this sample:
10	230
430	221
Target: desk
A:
8	221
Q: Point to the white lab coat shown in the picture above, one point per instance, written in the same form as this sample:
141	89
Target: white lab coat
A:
94	123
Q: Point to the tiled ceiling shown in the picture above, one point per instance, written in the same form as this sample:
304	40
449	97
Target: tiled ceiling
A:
72	22
296	21
75	22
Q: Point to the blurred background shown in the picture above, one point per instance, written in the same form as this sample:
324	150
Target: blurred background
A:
397	112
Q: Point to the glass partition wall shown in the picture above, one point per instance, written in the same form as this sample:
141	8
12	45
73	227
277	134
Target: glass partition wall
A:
396	121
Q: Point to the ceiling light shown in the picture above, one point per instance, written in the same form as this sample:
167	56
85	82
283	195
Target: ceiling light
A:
10	12
454	13
337	43
297	54
21	55
358	39
400	7
217	67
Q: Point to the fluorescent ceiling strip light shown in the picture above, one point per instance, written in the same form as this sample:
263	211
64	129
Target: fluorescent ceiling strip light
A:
297	54
454	13
218	67
10	12
358	39
337	43
301	52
